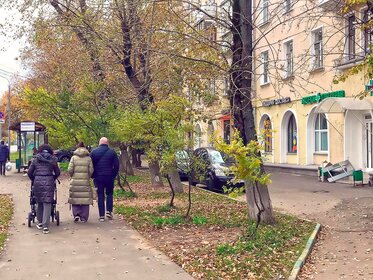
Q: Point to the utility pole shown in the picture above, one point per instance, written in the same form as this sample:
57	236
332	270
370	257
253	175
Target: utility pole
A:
4	76
9	115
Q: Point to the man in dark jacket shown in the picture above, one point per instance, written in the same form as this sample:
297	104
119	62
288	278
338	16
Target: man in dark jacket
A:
4	156
106	166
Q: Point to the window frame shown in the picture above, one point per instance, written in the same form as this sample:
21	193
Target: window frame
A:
210	133
227	131
318	131
317	58
264	11
351	37
289	58
198	138
292	130
268	136
366	33
288	5
265	68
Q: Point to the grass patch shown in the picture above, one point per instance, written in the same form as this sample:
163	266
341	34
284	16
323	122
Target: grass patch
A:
6	212
119	193
127	210
199	220
216	242
173	221
135	179
63	166
13	156
163	208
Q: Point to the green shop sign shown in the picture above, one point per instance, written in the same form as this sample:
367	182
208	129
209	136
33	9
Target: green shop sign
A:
369	87
321	96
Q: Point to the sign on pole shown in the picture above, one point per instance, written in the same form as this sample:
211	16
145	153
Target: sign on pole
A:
27	126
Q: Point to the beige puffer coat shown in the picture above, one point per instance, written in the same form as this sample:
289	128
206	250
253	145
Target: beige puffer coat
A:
80	170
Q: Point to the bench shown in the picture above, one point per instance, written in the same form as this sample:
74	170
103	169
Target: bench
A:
344	169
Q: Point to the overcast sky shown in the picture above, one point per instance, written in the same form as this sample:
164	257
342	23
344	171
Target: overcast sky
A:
9	51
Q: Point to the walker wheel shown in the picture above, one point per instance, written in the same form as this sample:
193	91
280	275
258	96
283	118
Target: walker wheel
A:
29	219
58	218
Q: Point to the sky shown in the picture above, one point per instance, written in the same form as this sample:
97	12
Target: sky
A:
9	52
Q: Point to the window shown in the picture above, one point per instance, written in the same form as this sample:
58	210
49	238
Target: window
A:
227	131
287	5
210	132
212	86
368	32
292	135
317	49
321	134
265	75
265	11
267	135
289	68
351	37
198	136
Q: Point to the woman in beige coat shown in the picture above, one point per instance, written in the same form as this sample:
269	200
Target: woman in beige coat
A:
81	193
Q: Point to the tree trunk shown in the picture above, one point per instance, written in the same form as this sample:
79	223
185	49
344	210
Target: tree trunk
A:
259	203
175	180
172	191
257	196
155	174
136	157
124	161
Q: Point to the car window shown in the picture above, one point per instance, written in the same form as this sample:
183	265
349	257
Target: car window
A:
216	157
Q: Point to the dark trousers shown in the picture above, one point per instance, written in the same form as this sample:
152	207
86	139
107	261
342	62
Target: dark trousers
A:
82	211
104	185
2	167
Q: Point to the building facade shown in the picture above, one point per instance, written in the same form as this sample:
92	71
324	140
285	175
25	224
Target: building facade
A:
302	48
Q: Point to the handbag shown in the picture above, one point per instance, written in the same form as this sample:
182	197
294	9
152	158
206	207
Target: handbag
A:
94	193
8	166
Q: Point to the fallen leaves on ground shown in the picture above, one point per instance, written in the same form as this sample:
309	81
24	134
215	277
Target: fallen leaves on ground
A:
6	211
215	242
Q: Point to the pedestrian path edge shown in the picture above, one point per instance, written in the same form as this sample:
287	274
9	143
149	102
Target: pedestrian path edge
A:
303	257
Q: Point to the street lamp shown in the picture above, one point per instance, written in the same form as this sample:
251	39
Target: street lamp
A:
7	79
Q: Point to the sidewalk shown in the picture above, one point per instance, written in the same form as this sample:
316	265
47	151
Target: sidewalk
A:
345	250
109	250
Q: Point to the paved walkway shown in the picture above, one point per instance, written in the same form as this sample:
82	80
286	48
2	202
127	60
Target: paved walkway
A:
345	250
109	250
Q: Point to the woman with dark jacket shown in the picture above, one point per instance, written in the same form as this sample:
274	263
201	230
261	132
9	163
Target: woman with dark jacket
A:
43	173
81	193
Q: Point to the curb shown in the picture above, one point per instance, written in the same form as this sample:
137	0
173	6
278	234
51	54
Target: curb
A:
307	250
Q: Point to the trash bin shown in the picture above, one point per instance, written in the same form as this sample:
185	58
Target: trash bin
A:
18	163
358	176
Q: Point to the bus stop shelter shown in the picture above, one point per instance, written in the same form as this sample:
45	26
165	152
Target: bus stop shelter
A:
30	135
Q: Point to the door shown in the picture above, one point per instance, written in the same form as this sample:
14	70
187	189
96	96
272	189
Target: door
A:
368	142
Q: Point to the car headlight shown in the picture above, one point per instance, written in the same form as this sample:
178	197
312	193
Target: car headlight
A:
219	172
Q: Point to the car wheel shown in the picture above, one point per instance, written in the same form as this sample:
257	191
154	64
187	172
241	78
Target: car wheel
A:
209	183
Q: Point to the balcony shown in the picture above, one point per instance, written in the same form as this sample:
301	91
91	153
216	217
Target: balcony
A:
206	12
330	5
348	61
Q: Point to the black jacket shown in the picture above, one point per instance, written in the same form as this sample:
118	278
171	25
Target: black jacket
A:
43	172
4	153
105	162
